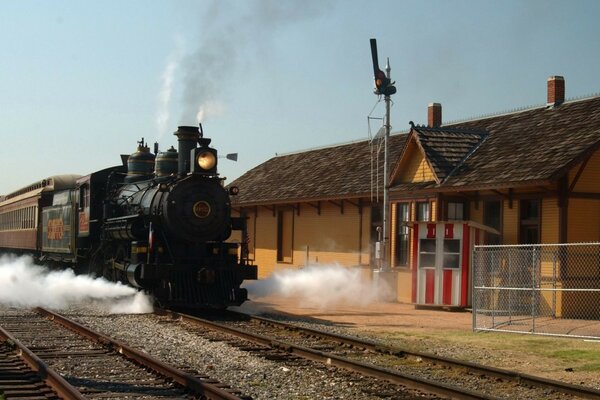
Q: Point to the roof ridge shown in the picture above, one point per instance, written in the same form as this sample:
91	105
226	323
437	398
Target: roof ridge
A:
447	129
329	146
517	110
465	158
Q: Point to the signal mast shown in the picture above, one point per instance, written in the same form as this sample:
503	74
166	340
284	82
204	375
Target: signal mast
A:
383	87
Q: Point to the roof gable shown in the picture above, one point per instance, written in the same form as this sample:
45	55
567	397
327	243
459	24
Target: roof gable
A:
433	154
531	147
413	165
446	148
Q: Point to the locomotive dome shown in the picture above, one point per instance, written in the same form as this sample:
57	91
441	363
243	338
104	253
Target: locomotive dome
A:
166	162
140	165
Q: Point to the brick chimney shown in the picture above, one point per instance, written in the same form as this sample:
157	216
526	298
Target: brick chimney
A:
434	115
556	91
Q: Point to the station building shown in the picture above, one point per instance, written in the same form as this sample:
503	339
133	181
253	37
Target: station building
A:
529	176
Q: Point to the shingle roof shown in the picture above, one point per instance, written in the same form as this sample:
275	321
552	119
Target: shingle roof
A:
446	148
531	146
329	173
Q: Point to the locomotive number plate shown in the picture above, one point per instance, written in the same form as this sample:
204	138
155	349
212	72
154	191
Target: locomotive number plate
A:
201	209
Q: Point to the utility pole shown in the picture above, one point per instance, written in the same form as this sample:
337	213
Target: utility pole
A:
384	86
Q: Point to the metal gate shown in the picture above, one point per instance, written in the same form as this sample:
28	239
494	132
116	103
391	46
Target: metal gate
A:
537	289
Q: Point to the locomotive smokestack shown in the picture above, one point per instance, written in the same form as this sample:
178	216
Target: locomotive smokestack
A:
187	137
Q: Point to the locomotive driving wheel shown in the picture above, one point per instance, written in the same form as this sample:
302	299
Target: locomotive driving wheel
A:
120	256
101	263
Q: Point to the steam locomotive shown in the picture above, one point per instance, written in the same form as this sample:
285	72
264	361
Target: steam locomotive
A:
159	222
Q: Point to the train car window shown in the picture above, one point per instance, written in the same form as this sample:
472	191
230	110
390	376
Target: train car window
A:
84	197
61	198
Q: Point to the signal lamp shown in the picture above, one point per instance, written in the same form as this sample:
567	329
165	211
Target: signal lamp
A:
234	190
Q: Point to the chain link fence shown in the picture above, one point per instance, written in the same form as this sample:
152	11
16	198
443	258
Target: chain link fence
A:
538	289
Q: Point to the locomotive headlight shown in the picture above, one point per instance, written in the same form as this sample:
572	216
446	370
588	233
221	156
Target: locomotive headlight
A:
206	160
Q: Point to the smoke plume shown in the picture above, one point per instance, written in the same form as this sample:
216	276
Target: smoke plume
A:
321	286
230	35
23	284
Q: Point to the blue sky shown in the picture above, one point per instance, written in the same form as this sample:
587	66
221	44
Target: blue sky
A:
82	81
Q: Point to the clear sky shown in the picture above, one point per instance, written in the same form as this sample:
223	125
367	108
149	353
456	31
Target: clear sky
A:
82	81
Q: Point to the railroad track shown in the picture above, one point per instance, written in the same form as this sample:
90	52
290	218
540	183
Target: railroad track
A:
346	342
63	359
428	372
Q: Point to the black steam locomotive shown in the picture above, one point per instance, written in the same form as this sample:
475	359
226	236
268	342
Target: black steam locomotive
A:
160	222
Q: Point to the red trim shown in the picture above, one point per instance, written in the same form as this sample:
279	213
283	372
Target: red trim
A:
447	290
464	284
415	255
448	231
431	231
429	286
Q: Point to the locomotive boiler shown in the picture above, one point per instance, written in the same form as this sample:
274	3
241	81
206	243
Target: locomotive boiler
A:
160	222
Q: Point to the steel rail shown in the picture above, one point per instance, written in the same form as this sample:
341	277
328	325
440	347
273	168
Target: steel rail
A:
563	387
212	392
56	382
396	377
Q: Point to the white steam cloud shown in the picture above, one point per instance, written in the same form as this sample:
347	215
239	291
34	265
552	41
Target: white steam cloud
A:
321	286
23	284
163	118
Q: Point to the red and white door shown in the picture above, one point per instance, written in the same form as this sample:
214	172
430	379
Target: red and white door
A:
441	254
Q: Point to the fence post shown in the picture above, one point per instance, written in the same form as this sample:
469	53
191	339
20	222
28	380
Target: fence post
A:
493	286
533	292
554	280
510	282
473	294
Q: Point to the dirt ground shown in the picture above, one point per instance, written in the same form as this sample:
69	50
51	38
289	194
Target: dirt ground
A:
450	333
383	317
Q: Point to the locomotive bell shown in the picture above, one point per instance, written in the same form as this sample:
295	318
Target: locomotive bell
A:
140	165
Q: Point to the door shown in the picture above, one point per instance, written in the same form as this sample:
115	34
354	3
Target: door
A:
439	264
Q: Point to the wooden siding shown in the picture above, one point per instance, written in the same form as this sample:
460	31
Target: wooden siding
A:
365	247
331	237
266	242
326	237
589	180
549	220
404	288
476	211
416	168
285	238
584	220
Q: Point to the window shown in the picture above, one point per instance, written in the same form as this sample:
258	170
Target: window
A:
427	253
456	211
423	211
529	221
402	217
285	221
451	253
84	197
492	217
